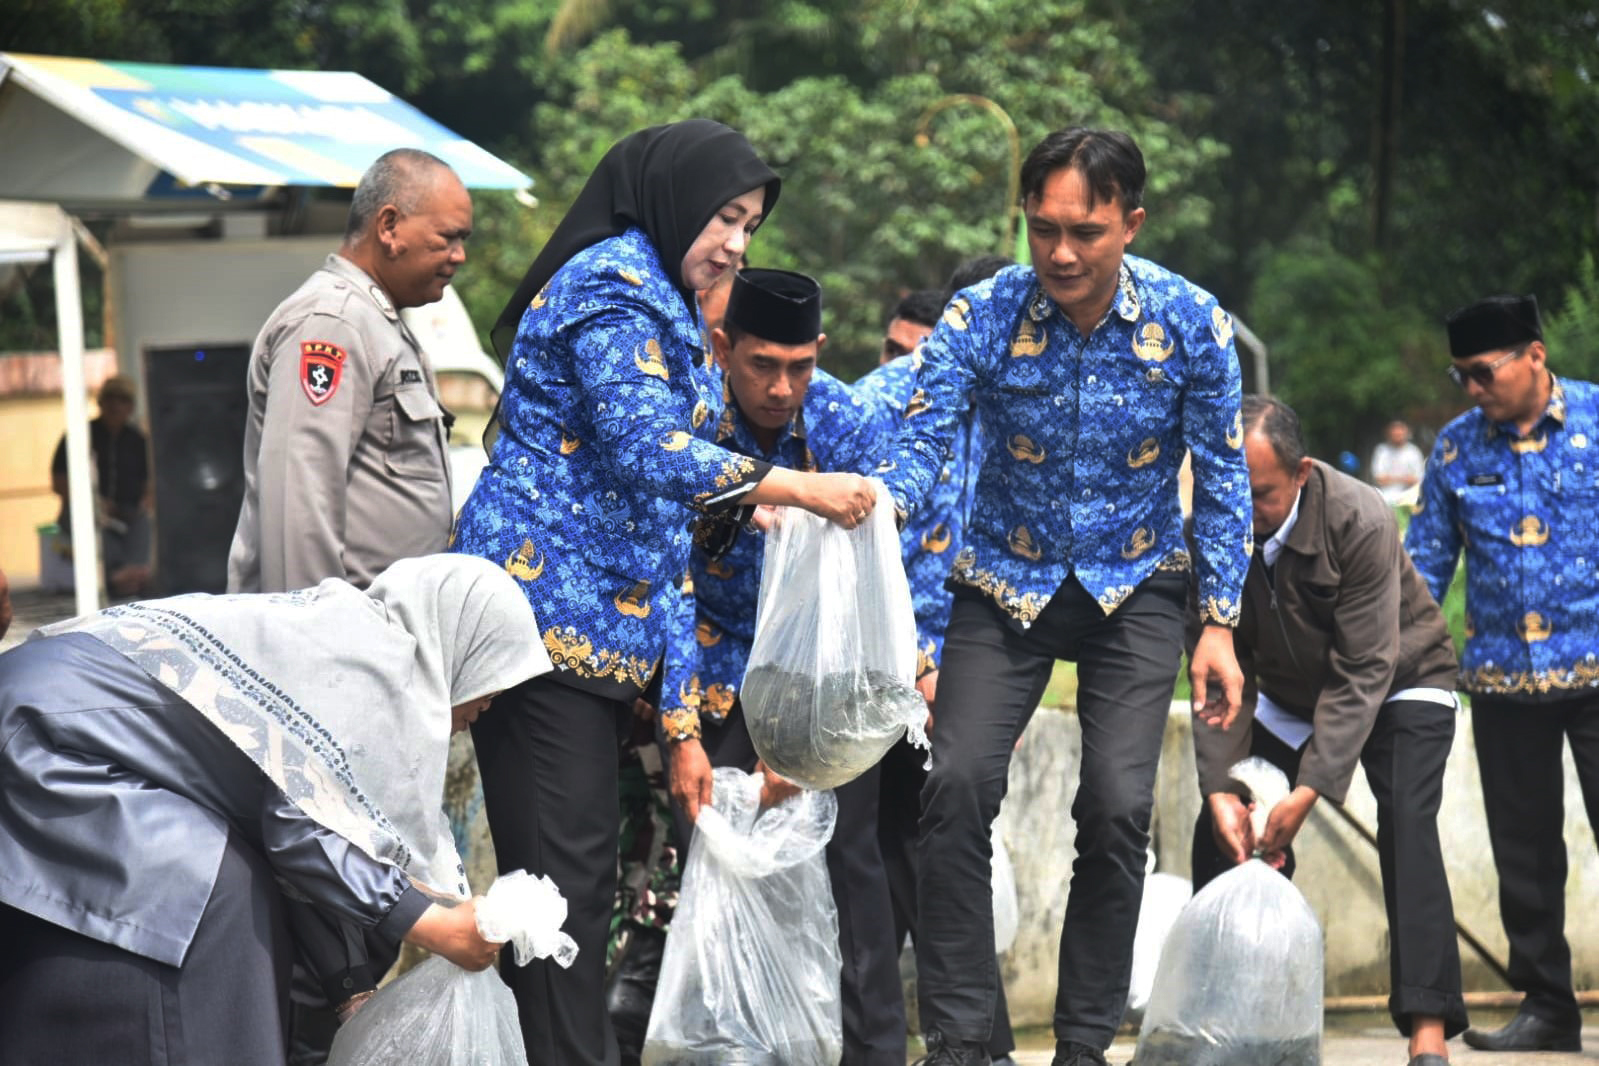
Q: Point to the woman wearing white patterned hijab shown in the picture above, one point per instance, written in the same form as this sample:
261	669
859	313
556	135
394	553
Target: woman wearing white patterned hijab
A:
170	769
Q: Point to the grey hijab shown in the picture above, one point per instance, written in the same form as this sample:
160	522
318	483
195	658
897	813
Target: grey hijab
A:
343	697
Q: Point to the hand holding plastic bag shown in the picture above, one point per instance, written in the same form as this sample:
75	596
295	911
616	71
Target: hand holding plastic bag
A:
1240	979
526	912
437	1014
831	680
751	970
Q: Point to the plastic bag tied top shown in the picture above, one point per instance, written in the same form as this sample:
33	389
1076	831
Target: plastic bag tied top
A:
1240	978
437	1014
831	681
526	912
751	971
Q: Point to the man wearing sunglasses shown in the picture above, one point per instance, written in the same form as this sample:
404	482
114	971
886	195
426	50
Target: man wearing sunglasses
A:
1515	483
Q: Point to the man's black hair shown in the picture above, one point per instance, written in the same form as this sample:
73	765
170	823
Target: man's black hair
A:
1277	422
1109	161
923	307
977	268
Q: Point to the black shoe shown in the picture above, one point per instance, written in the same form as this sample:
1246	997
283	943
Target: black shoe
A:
631	990
1427	1058
945	1052
1071	1053
1527	1032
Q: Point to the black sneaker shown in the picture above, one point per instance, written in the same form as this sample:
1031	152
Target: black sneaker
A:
1071	1053
944	1052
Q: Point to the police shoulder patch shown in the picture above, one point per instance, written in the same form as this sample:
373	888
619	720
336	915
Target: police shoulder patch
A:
321	367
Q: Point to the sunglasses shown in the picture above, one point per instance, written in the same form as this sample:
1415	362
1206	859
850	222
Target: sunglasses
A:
1482	373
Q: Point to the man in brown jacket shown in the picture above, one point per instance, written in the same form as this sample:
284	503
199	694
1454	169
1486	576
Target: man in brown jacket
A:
1345	656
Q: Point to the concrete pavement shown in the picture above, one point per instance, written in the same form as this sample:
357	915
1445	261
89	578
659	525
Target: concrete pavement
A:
1364	1039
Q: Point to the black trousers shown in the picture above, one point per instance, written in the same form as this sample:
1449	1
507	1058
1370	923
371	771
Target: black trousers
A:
872	999
1404	759
1523	789
69	1000
547	754
898	818
987	689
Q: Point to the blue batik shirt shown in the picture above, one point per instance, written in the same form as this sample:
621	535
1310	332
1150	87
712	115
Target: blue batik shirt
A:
1085	437
932	537
604	449
1525	509
836	429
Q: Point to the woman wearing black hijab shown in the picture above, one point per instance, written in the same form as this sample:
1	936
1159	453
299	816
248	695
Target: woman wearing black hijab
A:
603	458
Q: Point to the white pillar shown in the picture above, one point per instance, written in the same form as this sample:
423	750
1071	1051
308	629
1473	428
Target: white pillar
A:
86	573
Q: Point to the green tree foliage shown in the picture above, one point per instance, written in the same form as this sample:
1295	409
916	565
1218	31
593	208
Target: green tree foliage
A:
1342	173
1342	354
868	209
1408	155
1571	330
376	37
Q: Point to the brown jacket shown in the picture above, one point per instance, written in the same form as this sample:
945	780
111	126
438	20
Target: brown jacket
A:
1343	622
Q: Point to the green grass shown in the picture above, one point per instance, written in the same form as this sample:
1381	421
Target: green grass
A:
1061	692
1454	604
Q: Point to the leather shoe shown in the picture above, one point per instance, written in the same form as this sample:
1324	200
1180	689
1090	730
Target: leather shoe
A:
942	1051
1071	1053
1427	1058
1527	1032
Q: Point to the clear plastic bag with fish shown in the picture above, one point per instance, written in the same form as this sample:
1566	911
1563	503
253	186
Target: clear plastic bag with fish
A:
437	1014
1240	978
751	970
831	680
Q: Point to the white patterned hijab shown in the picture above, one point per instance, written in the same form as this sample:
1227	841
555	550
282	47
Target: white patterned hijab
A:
343	697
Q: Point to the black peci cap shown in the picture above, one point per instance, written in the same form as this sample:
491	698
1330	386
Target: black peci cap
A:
1492	323
776	305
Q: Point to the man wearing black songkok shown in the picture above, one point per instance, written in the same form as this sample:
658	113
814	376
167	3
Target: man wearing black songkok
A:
781	409
1514	483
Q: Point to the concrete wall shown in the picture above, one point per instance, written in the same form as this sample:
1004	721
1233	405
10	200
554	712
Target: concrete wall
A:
1337	869
33	417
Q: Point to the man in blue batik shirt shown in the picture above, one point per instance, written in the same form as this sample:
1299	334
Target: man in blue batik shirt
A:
1092	375
929	542
928	539
1515	484
781	409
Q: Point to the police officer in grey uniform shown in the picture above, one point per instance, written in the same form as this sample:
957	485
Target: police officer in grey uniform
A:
345	460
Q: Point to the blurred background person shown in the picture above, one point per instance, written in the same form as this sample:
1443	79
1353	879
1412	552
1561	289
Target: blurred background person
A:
1397	465
912	319
121	456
